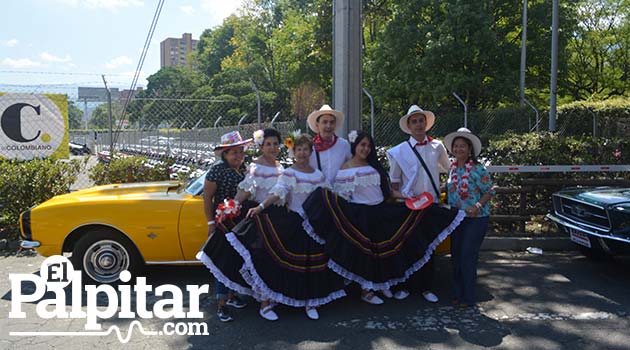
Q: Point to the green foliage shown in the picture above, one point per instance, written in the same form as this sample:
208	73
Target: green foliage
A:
128	169
75	116
27	183
549	149
100	116
612	117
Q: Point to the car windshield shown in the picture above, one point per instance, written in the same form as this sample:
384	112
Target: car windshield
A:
195	187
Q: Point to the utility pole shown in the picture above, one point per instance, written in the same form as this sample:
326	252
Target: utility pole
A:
554	66
347	68
523	54
111	121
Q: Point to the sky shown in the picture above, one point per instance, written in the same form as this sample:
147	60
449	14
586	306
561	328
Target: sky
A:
61	44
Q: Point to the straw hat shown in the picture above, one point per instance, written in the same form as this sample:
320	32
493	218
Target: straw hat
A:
312	118
231	139
416	110
465	133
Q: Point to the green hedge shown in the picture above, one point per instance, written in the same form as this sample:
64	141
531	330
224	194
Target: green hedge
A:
27	183
549	149
612	118
129	169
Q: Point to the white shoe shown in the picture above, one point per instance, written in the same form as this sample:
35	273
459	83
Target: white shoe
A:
401	294
267	313
372	298
430	297
387	293
312	313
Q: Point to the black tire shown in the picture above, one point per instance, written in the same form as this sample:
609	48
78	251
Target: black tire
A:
102	254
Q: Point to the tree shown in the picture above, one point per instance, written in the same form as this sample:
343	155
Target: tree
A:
599	60
100	116
75	116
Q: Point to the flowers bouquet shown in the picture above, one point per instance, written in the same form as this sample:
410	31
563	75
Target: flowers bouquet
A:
229	209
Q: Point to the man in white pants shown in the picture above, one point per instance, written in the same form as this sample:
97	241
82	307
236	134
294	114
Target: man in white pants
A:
409	176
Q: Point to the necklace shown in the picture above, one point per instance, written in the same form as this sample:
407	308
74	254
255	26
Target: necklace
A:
461	187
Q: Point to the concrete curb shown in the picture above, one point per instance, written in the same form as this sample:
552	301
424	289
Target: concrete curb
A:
521	243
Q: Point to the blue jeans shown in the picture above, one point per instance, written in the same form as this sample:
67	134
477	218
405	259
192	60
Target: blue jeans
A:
465	244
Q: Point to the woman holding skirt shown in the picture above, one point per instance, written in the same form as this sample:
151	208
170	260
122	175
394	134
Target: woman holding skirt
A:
373	242
253	185
285	265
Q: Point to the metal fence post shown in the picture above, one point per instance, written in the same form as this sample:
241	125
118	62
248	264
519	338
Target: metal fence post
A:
257	99
273	120
196	137
371	112
537	125
465	109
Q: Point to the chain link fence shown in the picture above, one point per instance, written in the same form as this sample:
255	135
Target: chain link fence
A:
183	130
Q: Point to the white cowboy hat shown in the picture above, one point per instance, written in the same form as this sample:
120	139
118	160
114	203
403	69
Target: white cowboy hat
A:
231	139
465	133
416	110
312	118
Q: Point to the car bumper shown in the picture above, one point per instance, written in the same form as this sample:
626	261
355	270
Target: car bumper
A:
29	244
567	225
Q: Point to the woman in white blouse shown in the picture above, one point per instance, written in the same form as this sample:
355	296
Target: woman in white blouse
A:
374	242
284	264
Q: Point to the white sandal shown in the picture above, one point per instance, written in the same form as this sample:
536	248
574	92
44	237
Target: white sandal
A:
371	298
312	313
267	313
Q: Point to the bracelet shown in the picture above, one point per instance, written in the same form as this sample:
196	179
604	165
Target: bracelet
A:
478	205
262	206
211	222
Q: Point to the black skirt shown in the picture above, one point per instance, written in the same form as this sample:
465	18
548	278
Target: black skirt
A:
282	263
377	246
221	259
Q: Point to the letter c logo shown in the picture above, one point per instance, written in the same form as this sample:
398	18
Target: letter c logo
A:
11	122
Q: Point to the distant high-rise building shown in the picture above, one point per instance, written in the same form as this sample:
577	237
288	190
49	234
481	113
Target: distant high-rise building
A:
174	51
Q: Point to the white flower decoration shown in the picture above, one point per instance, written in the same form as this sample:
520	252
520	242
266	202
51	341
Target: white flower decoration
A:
352	136
259	137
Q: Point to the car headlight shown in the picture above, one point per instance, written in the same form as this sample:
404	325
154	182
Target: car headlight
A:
25	225
620	218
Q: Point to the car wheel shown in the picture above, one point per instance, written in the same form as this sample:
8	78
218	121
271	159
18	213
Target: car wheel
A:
102	255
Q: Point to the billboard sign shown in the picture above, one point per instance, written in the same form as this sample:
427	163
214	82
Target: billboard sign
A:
33	126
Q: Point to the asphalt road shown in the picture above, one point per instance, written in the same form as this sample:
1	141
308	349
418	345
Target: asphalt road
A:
549	301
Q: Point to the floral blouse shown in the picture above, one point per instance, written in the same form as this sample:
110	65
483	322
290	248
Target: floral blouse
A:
227	180
479	183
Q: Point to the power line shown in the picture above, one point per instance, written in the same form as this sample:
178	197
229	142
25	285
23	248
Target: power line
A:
145	49
58	73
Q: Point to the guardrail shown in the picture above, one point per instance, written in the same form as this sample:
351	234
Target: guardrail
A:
528	186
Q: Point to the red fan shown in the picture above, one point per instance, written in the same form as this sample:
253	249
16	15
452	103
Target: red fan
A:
419	202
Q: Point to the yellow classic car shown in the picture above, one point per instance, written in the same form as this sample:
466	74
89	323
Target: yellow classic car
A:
120	227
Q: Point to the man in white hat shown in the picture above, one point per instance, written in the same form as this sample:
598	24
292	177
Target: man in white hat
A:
330	151
411	177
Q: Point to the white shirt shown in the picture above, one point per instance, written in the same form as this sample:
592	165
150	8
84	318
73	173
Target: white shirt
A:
259	180
332	159
361	185
406	169
293	187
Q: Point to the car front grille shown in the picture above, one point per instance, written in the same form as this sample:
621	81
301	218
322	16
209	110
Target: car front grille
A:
581	212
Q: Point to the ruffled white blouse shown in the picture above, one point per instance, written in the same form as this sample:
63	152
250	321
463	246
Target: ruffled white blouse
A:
293	187
361	185
259	180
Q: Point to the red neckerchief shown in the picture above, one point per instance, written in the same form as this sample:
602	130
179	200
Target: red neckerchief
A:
427	140
321	145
